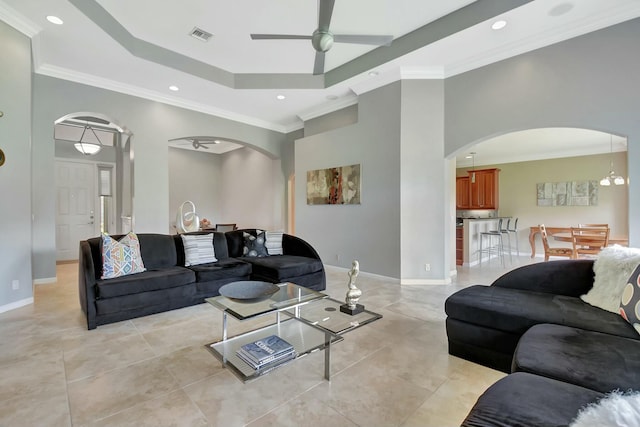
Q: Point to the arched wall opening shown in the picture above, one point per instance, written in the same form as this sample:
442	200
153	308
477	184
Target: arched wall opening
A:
529	157
93	179
229	181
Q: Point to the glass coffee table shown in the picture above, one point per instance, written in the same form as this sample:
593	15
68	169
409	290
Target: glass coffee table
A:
299	332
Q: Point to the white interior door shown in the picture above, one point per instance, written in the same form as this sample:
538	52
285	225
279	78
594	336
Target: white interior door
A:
75	207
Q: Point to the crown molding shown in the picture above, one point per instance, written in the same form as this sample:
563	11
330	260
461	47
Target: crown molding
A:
88	79
330	107
543	39
17	21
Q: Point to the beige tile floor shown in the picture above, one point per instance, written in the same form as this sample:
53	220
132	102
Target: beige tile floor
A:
154	371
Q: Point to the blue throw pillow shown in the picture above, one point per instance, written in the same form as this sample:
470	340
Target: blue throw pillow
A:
254	246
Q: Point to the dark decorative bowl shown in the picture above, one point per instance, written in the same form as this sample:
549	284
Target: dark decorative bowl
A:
248	291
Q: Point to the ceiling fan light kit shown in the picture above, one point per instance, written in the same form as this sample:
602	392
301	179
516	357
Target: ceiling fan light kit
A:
322	39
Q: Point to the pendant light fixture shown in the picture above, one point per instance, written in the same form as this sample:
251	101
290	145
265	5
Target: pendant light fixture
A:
611	177
88	148
473	167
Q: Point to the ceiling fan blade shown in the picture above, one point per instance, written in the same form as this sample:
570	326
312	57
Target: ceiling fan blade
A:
318	65
325	10
363	39
279	37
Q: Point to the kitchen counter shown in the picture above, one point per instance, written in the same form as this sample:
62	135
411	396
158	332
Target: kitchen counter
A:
472	227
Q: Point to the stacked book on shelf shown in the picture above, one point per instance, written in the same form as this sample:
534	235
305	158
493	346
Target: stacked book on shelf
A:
266	352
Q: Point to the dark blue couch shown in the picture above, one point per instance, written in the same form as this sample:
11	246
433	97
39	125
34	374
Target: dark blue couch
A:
167	284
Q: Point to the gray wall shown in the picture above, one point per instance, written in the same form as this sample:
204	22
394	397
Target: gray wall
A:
195	176
589	82
423	182
152	125
15	174
369	232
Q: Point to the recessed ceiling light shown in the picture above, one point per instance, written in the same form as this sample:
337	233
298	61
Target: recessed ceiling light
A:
468	156
373	73
561	9
280	97
216	141
174	88
55	20
498	25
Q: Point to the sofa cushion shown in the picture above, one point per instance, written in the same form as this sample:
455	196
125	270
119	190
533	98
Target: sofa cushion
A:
515	311
254	246
523	399
593	360
121	257
158	251
223	269
282	267
198	249
630	300
150	280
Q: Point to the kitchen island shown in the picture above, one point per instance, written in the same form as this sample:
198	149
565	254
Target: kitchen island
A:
471	229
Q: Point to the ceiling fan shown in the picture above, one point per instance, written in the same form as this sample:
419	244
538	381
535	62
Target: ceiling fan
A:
198	141
322	39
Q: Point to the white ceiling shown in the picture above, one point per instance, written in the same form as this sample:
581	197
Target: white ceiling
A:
82	51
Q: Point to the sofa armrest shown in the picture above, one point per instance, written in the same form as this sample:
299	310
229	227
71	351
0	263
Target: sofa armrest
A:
567	277
86	284
292	245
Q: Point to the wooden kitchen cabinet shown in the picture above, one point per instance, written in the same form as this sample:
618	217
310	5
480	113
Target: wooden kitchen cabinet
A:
462	192
482	192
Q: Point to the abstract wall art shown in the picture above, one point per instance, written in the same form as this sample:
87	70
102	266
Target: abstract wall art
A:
570	193
334	186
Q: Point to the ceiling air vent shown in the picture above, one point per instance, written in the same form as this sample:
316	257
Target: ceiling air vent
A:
200	34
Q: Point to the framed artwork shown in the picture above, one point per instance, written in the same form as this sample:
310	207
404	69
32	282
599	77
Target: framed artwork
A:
334	186
570	193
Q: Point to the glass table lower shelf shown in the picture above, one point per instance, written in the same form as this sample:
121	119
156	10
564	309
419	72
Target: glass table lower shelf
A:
303	336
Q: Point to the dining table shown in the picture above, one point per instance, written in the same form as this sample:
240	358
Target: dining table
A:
563	234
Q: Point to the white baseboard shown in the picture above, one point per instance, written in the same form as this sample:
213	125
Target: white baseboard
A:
45	281
364	273
16	304
422	282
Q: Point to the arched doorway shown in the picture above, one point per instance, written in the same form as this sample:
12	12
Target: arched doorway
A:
93	178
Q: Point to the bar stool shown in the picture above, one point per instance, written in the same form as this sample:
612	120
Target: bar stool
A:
492	247
505	230
514	230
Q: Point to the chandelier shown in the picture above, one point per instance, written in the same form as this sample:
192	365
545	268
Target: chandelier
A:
611	177
87	147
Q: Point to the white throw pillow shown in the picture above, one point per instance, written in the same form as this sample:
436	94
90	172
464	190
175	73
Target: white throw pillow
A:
198	249
614	410
612	268
274	242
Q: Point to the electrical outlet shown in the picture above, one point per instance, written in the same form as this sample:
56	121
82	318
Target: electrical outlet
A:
15	285
427	267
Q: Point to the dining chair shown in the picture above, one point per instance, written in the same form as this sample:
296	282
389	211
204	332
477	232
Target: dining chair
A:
550	251
226	227
589	241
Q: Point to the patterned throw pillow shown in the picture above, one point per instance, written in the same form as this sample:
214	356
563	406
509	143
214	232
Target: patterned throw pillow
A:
274	242
198	249
630	300
254	245
120	258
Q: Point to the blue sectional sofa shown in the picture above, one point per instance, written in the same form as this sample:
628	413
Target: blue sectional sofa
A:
168	284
